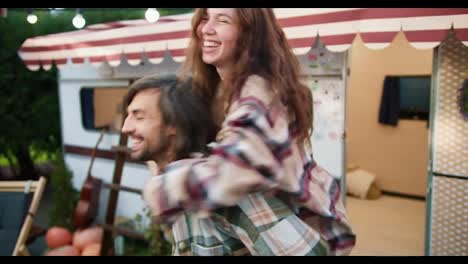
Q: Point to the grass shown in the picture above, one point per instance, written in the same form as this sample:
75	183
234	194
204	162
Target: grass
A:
42	156
37	156
4	161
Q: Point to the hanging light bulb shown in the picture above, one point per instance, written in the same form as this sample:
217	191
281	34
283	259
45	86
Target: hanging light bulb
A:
78	21
32	18
152	15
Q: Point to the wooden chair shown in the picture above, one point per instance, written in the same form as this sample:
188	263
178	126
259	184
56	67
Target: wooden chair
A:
11	189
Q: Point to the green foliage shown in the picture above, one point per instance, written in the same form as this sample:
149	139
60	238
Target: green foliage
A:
158	245
29	109
64	196
37	156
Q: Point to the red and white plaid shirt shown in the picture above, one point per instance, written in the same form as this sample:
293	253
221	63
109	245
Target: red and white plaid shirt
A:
254	153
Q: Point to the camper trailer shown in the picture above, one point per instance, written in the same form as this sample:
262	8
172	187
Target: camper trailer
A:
90	99
94	77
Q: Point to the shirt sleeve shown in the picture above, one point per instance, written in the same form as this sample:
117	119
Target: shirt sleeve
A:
253	152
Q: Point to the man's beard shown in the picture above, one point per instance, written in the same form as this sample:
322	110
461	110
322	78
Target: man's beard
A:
159	154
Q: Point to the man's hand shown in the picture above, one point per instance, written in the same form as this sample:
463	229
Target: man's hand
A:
153	167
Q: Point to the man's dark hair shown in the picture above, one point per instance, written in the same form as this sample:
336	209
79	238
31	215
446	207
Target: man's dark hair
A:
180	107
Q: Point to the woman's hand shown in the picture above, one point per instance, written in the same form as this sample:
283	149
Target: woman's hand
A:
153	167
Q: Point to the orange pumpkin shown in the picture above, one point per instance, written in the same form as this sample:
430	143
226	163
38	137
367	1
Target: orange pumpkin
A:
92	250
87	236
67	250
58	237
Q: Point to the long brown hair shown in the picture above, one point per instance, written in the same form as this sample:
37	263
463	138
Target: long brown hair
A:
264	51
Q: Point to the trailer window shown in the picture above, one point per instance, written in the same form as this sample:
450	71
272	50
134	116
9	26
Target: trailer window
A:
101	107
414	97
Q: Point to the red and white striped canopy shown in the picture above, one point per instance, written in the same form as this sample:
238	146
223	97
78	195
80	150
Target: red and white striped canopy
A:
337	27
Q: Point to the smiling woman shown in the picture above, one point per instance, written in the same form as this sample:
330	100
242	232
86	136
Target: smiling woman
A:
218	31
261	160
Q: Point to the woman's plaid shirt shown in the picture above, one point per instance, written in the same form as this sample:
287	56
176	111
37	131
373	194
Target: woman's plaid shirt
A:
256	193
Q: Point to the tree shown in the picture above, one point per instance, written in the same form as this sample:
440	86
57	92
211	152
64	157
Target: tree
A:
28	101
29	111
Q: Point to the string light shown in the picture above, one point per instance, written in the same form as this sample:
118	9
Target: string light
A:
152	15
78	21
31	18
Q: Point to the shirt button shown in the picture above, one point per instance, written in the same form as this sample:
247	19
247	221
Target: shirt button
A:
182	245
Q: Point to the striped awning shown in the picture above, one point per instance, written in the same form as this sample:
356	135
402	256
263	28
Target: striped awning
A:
424	28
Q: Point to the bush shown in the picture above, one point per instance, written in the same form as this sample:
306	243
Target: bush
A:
157	243
64	196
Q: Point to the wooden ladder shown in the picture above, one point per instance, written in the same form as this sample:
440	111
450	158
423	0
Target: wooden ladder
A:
107	246
109	227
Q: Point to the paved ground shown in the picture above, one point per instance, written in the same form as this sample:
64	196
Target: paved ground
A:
388	226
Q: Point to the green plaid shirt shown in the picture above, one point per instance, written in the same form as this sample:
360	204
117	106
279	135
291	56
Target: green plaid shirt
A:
260	224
